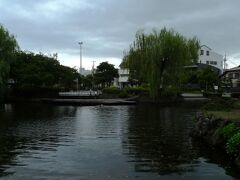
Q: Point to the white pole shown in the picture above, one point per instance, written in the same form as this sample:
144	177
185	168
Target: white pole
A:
80	44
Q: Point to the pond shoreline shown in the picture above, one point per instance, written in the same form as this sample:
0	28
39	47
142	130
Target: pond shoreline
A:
89	102
92	101
208	130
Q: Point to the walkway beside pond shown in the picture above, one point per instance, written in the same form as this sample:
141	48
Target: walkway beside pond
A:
81	93
193	97
87	101
90	102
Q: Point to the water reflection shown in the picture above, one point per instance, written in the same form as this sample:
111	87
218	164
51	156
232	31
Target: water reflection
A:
158	140
104	142
27	129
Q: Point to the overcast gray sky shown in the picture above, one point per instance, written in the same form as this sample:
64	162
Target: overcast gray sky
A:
107	27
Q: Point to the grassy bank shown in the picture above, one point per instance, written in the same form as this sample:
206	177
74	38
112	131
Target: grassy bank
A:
219	126
233	115
223	108
142	95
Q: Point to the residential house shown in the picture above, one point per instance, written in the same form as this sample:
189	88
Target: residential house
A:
209	57
231	76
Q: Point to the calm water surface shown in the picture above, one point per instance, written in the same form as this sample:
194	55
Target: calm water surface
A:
104	142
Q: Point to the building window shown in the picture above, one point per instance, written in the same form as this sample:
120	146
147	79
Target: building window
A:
207	62
230	75
207	53
236	75
202	52
213	62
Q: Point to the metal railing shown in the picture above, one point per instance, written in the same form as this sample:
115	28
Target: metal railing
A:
80	93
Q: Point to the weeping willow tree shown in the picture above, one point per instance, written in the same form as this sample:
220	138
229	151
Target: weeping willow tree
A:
8	47
158	59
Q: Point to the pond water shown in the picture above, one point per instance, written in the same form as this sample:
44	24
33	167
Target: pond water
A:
39	141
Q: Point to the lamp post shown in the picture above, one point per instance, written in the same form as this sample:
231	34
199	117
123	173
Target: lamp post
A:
77	84
80	44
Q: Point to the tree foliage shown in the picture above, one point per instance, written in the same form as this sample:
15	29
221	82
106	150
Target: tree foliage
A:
38	70
158	58
207	78
8	47
88	81
105	74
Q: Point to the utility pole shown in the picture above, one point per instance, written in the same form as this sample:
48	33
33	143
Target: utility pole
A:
80	45
93	66
224	61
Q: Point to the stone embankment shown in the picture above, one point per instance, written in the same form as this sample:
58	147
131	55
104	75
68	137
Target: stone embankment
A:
210	130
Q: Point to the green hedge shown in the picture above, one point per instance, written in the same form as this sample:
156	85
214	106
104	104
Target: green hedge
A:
137	90
219	104
229	130
123	94
126	91
170	92
233	144
231	134
111	90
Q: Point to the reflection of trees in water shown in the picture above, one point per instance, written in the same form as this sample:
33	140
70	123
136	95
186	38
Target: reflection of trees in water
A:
110	120
216	156
40	111
7	154
158	140
27	128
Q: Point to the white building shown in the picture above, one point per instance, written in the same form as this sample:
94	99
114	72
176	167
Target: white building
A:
123	78
85	72
123	75
207	56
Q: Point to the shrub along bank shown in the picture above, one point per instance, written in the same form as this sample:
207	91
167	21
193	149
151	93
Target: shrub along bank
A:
219	132
142	94
125	92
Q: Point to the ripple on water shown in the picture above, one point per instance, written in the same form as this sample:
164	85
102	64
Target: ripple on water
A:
104	142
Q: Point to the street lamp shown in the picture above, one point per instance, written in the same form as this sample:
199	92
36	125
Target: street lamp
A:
80	44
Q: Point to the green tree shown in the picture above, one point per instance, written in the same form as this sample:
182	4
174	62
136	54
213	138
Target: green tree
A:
67	77
8	47
158	58
105	74
207	78
38	70
88	81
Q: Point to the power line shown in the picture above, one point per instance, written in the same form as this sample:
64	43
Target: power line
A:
233	62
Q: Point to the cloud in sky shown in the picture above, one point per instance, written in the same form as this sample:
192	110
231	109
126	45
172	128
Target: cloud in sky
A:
107	27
